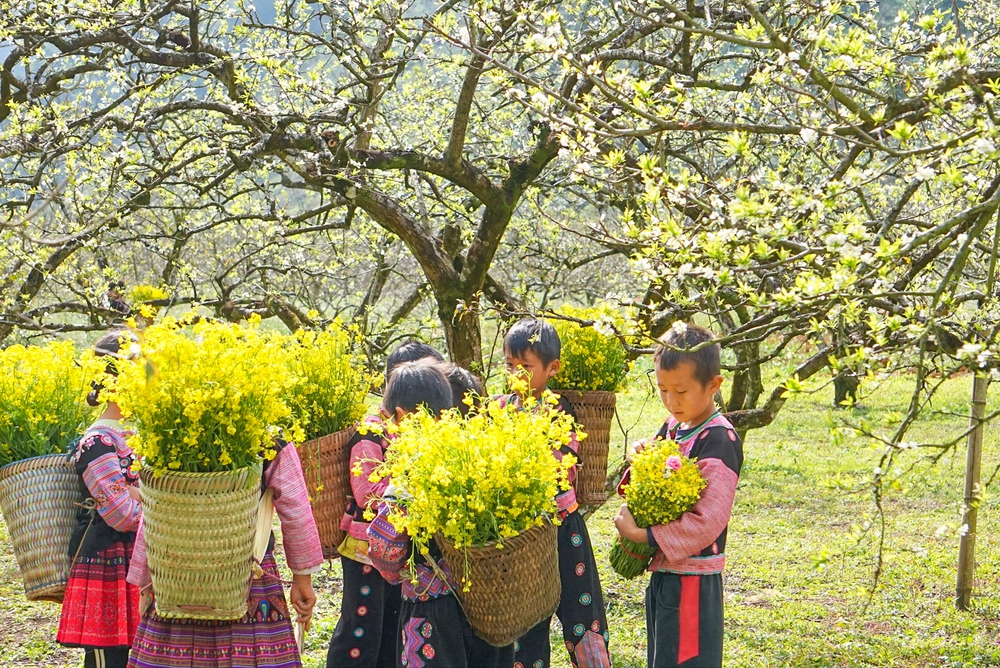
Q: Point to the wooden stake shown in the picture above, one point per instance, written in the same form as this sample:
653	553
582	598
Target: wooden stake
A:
973	462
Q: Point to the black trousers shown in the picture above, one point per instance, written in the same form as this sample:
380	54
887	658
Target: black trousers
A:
365	636
684	621
436	634
113	657
581	607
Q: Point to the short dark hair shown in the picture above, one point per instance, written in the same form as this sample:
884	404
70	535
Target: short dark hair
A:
464	383
536	335
685	336
415	384
410	351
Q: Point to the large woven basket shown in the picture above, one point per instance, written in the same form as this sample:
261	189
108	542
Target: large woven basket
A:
37	497
594	411
326	466
511	590
199	530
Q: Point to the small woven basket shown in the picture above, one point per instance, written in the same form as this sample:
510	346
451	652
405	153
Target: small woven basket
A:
594	411
199	530
37	497
326	464
510	590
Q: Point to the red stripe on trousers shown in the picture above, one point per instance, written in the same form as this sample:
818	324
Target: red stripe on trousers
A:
687	646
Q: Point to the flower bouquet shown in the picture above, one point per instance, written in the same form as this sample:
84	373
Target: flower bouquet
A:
42	410
594	365
660	486
327	400
484	488
205	399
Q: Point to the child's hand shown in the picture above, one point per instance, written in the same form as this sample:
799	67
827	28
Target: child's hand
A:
303	598
636	448
627	528
133	493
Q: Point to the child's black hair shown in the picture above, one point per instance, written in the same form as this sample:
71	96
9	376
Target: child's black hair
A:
462	384
706	360
410	351
415	384
536	335
110	345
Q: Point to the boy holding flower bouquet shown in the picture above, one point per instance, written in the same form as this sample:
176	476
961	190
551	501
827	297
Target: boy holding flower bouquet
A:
531	350
684	618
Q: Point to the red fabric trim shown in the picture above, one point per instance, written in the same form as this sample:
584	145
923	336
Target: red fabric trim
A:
688	614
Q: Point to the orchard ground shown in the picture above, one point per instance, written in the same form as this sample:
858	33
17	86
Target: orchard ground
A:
793	511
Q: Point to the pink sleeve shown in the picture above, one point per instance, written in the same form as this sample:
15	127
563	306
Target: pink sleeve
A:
138	569
291	501
367	493
103	477
701	526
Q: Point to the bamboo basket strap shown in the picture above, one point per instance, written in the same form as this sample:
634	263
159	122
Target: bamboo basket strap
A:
265	517
91	505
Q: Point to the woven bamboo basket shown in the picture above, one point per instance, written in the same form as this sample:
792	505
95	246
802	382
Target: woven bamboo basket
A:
511	590
326	464
594	411
37	497
199	530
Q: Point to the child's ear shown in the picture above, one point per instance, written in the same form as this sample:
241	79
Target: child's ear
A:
715	384
554	368
400	413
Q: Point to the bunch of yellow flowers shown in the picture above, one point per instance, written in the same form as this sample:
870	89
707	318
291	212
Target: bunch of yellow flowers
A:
42	398
663	485
475	480
331	386
592	358
141	295
207	396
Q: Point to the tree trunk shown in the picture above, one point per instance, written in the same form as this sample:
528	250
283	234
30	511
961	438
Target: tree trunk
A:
460	320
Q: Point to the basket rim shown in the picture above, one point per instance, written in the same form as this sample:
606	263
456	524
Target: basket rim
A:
201	474
7	468
587	396
546	523
339	432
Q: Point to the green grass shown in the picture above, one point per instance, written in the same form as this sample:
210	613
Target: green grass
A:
781	610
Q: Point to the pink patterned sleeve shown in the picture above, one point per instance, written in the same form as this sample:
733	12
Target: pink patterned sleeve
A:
103	477
138	569
369	455
699	527
291	501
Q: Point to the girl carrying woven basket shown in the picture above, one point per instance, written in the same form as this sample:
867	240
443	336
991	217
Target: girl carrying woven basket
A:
433	629
101	610
264	636
365	636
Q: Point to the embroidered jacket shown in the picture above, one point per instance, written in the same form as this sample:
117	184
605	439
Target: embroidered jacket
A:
695	543
565	501
389	551
300	539
368	451
103	461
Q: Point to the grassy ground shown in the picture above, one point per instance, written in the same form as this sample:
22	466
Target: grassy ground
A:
791	511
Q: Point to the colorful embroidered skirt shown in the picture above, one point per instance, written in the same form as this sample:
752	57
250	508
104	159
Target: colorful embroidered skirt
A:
101	609
263	638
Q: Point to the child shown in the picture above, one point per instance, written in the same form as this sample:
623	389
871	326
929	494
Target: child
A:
410	351
365	636
101	610
263	637
531	349
684	596
464	385
433	629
